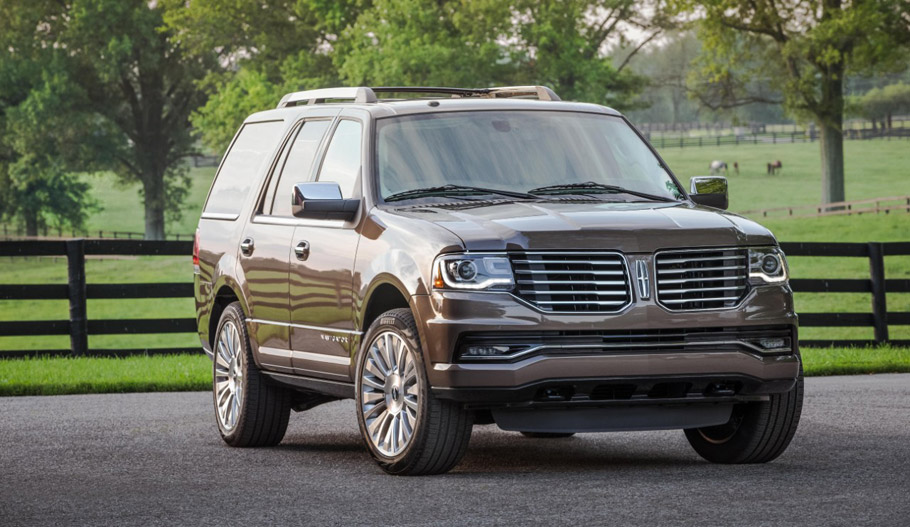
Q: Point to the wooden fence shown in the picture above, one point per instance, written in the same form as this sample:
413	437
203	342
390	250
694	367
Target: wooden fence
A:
662	141
840	208
79	326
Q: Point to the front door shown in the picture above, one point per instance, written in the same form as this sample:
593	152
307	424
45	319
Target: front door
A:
322	259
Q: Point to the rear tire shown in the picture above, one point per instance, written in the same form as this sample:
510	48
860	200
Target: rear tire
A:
756	433
548	435
408	431
249	410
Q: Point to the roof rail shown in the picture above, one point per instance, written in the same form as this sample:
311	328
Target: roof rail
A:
363	94
357	94
542	93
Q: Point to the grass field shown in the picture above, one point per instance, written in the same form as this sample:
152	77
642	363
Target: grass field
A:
59	376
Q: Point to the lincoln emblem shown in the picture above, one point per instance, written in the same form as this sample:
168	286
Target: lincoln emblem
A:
644	282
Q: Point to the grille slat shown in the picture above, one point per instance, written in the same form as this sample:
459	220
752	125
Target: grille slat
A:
572	282
701	279
569	271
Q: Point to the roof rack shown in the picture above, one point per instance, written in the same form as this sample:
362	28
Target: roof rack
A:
364	94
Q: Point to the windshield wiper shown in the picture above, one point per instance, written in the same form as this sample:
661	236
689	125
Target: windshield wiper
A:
569	188
444	190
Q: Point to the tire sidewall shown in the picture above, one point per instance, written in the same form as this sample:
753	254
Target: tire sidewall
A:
402	323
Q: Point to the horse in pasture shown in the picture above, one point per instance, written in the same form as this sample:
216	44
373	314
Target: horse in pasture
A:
716	166
774	167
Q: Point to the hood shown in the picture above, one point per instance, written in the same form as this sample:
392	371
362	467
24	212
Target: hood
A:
629	227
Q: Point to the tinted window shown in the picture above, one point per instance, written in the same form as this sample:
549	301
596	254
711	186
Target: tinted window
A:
241	165
342	160
297	166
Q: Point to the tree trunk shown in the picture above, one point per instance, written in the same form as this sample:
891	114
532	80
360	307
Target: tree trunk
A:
831	122
31	222
832	144
154	207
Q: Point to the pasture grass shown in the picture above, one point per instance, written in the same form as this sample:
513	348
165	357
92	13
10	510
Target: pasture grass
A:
193	372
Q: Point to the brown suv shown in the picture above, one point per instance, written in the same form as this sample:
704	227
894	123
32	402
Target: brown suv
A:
450	257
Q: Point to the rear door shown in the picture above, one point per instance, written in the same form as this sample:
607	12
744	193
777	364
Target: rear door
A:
321	278
266	256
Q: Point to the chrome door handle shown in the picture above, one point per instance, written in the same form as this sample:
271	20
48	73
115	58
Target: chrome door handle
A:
302	250
246	246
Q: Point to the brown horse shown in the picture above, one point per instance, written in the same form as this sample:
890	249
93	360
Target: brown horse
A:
774	167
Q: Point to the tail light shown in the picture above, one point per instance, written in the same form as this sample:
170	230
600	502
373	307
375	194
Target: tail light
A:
196	249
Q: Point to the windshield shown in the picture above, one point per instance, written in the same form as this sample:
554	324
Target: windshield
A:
517	151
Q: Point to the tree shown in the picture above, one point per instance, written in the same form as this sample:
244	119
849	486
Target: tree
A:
134	82
880	104
263	50
483	43
41	137
806	47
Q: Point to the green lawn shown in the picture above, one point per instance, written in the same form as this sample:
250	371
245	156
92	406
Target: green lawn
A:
58	376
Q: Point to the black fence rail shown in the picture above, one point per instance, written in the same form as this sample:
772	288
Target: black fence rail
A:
79	326
9	232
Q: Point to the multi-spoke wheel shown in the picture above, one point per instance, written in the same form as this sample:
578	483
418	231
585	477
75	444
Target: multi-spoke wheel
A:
406	428
249	410
389	393
228	375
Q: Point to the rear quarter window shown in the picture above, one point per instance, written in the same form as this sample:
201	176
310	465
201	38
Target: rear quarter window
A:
243	162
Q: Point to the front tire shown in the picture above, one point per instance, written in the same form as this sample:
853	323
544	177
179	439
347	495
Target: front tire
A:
249	410
408	431
756	433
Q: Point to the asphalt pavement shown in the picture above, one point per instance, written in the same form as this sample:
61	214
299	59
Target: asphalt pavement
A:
157	459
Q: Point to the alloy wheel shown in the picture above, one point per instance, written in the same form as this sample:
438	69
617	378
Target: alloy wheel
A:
389	389
228	376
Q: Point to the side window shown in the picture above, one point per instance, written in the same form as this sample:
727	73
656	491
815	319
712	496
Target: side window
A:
241	164
342	159
265	207
297	165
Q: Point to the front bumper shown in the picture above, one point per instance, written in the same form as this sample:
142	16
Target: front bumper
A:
450	317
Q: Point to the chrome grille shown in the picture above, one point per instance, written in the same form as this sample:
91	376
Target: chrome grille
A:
701	279
572	282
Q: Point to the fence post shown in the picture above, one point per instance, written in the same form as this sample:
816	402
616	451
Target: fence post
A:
75	263
879	303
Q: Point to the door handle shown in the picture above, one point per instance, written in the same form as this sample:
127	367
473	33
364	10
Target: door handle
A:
302	250
246	246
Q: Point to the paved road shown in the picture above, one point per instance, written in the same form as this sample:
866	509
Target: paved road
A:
156	459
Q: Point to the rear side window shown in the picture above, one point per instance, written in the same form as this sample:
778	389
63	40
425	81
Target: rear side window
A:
297	166
241	165
342	159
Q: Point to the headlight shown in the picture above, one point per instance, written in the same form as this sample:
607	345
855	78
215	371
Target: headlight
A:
767	265
473	272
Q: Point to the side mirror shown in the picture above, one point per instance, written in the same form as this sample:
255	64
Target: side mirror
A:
322	200
710	191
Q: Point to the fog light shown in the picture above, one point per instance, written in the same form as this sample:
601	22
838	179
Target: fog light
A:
774	343
485	351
